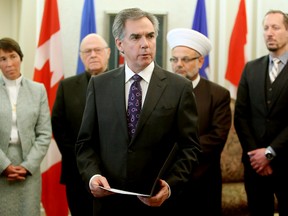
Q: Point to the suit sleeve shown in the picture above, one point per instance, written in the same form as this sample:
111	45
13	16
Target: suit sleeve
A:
242	115
188	140
87	160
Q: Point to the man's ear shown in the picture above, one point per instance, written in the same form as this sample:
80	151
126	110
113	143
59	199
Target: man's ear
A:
118	43
201	61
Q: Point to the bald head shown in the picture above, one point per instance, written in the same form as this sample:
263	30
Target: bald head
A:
94	53
93	38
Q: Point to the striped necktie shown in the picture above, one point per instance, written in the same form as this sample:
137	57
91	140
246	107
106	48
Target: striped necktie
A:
275	69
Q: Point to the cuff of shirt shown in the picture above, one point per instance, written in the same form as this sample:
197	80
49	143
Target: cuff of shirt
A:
169	190
91	179
271	150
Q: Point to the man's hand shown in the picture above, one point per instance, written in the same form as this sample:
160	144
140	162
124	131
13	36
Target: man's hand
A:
266	171
159	198
259	162
97	191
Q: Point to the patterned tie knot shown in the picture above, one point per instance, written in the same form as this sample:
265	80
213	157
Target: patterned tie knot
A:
136	78
136	91
134	104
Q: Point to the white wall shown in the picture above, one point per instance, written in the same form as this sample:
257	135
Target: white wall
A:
21	19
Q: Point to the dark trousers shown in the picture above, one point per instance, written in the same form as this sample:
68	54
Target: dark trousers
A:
80	201
130	205
201	196
261	192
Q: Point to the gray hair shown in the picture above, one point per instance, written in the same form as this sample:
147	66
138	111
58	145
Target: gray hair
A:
118	28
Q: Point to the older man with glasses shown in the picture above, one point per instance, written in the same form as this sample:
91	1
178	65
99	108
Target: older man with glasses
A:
67	116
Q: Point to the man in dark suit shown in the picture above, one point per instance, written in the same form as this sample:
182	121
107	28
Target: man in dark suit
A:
261	121
106	155
189	48
67	116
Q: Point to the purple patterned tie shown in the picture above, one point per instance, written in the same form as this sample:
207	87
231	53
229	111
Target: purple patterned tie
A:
134	105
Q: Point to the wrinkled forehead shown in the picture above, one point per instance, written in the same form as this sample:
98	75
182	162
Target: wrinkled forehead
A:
93	42
142	26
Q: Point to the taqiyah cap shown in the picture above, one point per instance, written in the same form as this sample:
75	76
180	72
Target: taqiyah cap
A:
189	38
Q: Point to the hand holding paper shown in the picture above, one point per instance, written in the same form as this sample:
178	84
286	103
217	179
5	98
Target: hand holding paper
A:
114	190
159	198
95	187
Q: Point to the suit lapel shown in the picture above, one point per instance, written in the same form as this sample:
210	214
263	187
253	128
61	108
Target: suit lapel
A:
155	90
81	89
117	94
259	75
22	101
6	110
279	84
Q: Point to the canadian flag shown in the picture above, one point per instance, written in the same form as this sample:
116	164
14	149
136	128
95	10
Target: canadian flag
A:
236	55
49	70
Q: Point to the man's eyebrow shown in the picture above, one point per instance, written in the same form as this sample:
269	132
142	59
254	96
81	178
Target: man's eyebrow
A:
134	35
151	33
137	35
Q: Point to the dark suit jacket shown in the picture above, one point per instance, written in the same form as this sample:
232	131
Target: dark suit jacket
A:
66	120
257	124
168	115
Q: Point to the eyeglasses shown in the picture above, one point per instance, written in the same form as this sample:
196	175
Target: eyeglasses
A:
184	59
96	50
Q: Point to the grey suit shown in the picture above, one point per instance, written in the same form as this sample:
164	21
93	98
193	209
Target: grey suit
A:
261	120
168	115
34	128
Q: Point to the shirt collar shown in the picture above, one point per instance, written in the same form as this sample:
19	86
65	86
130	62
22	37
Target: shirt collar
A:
12	82
283	58
145	74
196	81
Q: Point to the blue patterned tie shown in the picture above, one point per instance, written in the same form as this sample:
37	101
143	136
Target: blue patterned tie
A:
134	105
